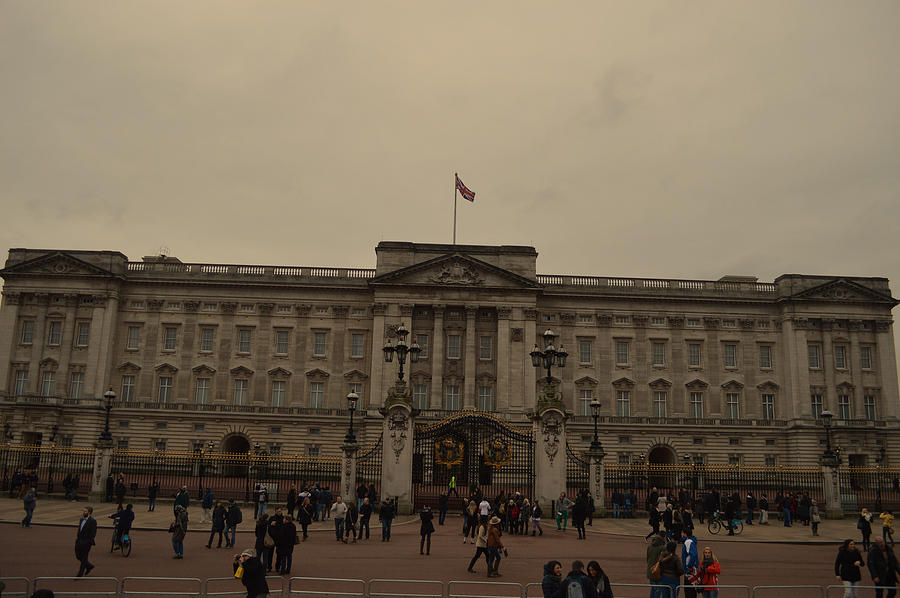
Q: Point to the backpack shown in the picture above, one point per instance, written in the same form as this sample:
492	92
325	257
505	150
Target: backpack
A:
574	589
238	516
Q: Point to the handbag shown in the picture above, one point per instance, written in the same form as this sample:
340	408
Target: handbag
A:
239	572
656	571
172	528
268	541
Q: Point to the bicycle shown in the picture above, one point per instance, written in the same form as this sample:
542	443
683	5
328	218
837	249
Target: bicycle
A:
716	524
124	545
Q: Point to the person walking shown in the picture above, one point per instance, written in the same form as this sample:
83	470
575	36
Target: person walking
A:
481	536
252	574
84	540
182	499
443	505
887	526
815	517
305	516
536	513
207	505
763	510
152	493
654	551
690	563
386	515
579	514
577	583
709	574
284	546
263	500
338	513
232	520
365	514
291	502
883	568
600	580
261	532
671	569
350	522
552	580
273	532
120	491
562	512
847	566
218	517
179	531
426	528
864	525
495	547
29	502
653	520
451	487
750	501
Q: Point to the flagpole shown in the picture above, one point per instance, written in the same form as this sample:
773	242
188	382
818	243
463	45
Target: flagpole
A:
455	193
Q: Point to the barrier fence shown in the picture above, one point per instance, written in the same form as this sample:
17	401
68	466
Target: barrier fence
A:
876	488
45	467
228	587
16	586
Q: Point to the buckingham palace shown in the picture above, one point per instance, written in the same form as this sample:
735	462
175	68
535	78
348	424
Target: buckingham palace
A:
732	370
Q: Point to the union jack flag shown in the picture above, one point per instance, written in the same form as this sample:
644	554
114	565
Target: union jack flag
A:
465	191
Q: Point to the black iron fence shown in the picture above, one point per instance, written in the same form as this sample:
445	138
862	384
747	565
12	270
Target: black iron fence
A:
50	469
578	473
876	488
368	465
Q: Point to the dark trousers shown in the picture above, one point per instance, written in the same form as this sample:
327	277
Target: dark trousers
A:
212	534
478	552
82	553
152	504
749	516
442	514
689	590
304	527
890	592
386	529
283	562
425	543
363	523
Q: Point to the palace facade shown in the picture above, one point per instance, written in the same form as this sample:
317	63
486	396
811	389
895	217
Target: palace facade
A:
240	356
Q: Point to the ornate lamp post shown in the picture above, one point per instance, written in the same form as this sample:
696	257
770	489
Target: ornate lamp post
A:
595	413
53	432
207	447
109	396
401	349
829	457
7	439
550	356
352	398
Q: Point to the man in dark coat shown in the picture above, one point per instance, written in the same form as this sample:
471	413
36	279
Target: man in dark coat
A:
583	586
883	568
254	576
84	540
232	520
110	485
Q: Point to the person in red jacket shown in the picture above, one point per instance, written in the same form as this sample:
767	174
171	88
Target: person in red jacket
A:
709	574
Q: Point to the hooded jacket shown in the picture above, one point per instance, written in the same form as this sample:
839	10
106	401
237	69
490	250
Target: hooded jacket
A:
551	582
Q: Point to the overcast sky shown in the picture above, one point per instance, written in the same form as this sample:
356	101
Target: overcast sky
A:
674	139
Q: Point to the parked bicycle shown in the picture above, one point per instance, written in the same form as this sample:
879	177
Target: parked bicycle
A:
716	524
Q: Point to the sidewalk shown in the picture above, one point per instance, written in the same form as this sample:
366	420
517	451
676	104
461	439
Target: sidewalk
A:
59	512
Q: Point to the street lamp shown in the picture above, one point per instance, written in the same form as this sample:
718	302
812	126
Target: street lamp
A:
208	446
352	398
829	457
53	431
595	413
550	356
401	349
109	396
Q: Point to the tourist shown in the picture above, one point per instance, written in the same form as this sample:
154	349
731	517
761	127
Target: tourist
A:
350	522
709	574
653	521
120	491
261	532
84	540
386	515
883	568
284	545
815	517
182	499
361	493
443	505
249	569
426	528
339	512
305	515
481	537
670	569
495	546
75	483
846	567
484	509
579	514
618	503
232	520
582	586
29	502
689	563
328	500
600	580
536	513
291	502
218	524
552	579
152	492
750	501
786	510
524	517
654	550
365	514
263	500
864	525
470	520
110	487
179	530
124	519
562	511
273	531
590	507
887	526
763	510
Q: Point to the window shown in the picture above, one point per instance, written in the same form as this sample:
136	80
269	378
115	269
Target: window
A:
485	395
134	338
732	405
284	309
320	343
27	332
82	334
173	305
48	384
356	345
250	307
240	391
485	347
160	445
357	388
584	351
762	325
170	337
137	304
623	459
843	402
21	382
697	405
127	394
210	306
694	354
453	346
165	389
359	311
622	319
734	442
770	461
624	439
275	430
161	425
659	404
244	338
728	324
585	396
451	396
840	357
693	322
658	351
279	389
199	427
312	450
122	444
730	355
623	403
321	310
316	395
585	319
658	321
422	340
865	357
768	406
734	459
54	335
765	356
621	352
816	403
281	342
201	393
315	431
697	440
420	396
76	385
207	339
869	407
814	356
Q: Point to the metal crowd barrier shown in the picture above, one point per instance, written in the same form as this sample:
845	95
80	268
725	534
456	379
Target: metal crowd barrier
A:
833	590
275	583
412	593
185	587
64	587
18	582
729	591
640	590
528	593
485	586
778	591
325	586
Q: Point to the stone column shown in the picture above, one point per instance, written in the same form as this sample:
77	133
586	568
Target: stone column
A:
529	390
549	425
597	481
12	335
469	383
503	342
887	366
349	451
397	459
436	392
106	309
832	489
377	357
102	461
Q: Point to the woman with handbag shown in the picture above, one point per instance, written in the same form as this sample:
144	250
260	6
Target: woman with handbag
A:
709	574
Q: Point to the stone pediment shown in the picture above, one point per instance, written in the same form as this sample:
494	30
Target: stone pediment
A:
129	366
241	371
767	385
56	263
843	290
279	373
455	270
660	383
203	369
697	383
587	381
355	375
166	368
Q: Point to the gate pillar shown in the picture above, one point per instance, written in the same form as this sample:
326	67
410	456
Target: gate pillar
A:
348	471
831	479
102	462
597	481
398	430
549	425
